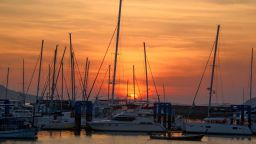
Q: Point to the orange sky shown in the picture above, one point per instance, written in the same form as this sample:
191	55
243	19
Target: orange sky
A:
178	34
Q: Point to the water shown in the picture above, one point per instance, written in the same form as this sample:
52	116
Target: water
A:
68	137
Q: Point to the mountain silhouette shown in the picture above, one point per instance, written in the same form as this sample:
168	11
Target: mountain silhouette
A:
15	96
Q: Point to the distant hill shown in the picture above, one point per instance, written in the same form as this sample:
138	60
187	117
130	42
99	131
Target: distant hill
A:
13	95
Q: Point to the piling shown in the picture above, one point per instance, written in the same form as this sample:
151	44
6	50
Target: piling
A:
163	114
89	107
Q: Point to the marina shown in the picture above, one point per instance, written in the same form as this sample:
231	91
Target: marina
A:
71	92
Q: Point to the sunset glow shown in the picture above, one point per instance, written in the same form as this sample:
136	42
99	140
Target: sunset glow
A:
178	34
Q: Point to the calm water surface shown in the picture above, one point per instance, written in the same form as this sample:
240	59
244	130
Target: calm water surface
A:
68	137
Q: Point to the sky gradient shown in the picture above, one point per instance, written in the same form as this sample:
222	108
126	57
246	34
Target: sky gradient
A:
179	36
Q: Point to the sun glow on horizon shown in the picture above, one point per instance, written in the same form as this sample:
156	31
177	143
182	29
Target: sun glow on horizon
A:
178	36
133	96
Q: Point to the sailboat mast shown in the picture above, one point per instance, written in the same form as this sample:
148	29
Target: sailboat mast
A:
133	69
243	97
74	75
251	76
87	78
85	71
7	83
39	71
109	67
71	67
23	81
146	69
213	69
53	77
116	51
62	80
49	81
164	91
127	90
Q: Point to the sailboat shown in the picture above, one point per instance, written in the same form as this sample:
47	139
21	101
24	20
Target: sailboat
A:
216	125
49	117
12	127
250	101
125	121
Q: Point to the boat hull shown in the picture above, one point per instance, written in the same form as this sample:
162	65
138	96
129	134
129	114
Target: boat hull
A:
126	127
19	134
64	122
217	129
183	137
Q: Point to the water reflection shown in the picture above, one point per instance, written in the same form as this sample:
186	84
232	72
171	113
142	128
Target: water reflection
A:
69	137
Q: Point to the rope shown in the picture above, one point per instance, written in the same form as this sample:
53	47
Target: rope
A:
67	88
32	76
102	83
46	84
202	77
158	98
101	63
80	76
138	87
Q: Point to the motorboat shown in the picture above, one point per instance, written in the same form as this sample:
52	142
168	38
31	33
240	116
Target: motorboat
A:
127	122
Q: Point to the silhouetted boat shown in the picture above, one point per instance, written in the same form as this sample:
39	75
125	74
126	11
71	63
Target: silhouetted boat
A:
26	133
185	137
12	127
216	125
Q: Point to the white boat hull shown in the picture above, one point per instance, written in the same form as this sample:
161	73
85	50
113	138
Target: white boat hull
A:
48	122
210	128
126	127
19	134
